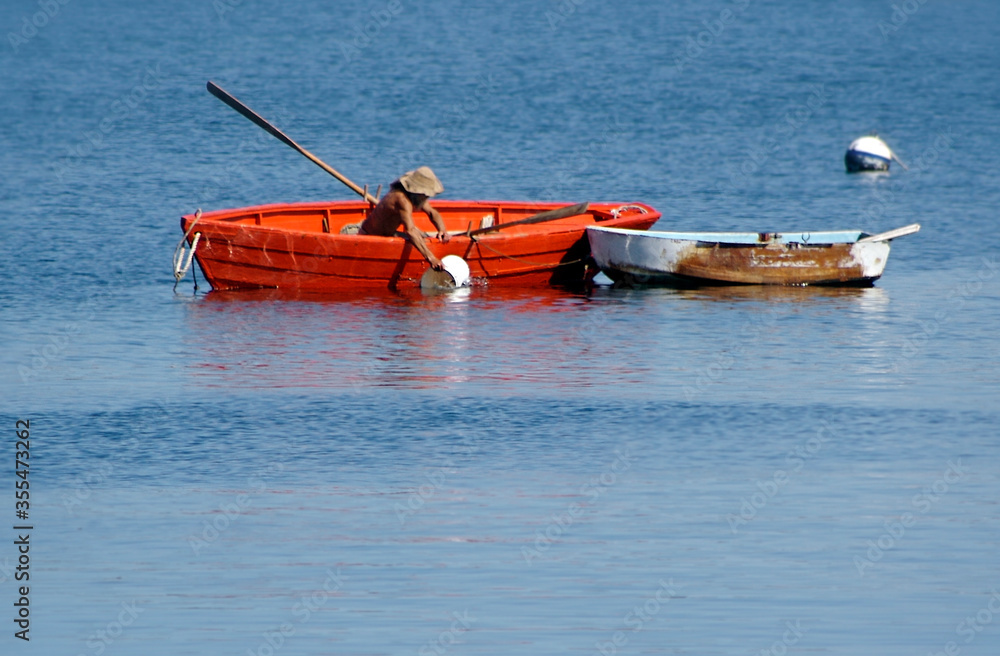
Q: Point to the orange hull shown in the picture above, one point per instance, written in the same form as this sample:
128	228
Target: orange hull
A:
298	245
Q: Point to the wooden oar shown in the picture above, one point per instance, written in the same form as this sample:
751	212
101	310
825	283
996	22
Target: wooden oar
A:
541	217
225	97
892	234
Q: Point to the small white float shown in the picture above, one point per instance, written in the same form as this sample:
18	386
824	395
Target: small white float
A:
455	273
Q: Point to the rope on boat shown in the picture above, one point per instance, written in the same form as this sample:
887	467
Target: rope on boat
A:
180	270
621	210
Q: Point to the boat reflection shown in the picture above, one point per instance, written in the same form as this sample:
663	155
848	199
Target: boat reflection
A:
498	340
411	338
864	298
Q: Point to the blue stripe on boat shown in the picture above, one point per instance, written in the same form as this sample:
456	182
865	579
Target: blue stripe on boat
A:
744	238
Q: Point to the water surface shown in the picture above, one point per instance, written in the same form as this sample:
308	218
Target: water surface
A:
718	471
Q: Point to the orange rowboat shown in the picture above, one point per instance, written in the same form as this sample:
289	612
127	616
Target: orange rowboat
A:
299	245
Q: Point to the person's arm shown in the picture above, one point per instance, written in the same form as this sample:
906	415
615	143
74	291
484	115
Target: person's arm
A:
417	237
438	221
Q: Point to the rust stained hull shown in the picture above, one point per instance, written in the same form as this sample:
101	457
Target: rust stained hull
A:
774	265
691	259
298	246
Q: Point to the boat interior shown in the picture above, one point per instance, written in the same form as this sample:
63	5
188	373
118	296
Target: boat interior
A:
460	216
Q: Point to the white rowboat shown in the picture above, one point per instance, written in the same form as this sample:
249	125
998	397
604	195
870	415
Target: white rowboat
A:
846	257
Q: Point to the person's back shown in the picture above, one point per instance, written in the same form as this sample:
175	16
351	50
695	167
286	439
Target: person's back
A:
407	194
387	216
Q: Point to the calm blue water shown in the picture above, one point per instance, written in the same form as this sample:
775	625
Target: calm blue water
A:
723	471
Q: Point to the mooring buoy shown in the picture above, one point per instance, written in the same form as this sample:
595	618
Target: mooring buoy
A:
868	154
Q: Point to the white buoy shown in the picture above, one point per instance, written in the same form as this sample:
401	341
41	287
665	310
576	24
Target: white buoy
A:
455	274
869	154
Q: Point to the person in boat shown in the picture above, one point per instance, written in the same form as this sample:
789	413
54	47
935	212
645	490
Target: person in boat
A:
411	192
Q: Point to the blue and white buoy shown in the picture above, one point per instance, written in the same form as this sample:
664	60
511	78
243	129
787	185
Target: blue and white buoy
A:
868	154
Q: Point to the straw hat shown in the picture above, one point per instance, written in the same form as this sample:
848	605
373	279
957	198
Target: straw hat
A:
421	181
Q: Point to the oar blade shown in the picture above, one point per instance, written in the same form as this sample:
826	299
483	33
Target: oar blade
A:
260	121
892	234
256	118
558	213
